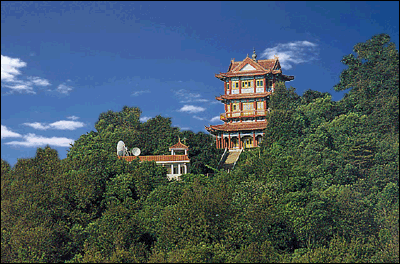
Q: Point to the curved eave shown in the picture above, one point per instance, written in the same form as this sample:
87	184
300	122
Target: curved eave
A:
242	96
241	73
288	77
223	76
231	127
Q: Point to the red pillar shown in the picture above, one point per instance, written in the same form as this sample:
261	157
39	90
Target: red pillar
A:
265	84
225	87
240	86
254	139
229	141
241	110
240	141
216	141
254	83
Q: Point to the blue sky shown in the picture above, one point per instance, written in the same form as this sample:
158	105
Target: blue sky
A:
64	63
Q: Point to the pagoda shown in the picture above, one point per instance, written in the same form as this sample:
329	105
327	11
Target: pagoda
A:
248	85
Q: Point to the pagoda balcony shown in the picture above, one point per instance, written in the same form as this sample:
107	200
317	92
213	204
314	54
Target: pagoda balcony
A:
248	90
247	113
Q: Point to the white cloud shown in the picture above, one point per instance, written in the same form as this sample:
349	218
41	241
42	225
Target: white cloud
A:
10	68
32	140
144	118
215	119
60	125
73	117
293	53
64	89
22	87
10	71
66	125
200	100
199	118
38	81
137	93
5	133
191	109
37	125
187	97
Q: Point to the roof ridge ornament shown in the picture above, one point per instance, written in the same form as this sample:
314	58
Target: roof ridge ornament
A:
276	57
254	56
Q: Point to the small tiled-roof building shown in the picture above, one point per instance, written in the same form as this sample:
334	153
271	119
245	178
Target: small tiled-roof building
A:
176	164
247	87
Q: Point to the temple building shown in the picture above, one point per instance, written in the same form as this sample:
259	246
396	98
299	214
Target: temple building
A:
247	87
177	163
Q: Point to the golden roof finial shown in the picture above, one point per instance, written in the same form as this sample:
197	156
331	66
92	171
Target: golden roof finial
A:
276	57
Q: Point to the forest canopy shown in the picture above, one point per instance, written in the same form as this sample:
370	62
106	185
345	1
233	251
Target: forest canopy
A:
323	187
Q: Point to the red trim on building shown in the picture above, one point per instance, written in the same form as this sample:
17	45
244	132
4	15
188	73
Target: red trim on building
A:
157	158
241	96
178	145
228	127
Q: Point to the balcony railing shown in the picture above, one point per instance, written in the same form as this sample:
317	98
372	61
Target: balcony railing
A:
248	90
243	114
260	89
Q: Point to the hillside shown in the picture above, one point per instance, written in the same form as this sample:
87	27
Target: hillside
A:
323	187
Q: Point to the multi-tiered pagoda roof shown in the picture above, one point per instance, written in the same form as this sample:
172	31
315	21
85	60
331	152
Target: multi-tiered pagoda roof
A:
252	67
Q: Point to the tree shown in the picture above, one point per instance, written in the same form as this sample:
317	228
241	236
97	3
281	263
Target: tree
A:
202	152
373	76
283	98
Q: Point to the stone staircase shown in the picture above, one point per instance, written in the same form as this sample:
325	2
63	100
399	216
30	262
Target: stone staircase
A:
229	159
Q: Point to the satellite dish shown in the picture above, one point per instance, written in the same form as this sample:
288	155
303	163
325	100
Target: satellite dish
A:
121	149
135	151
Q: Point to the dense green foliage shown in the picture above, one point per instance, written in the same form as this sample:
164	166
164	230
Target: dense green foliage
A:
323	187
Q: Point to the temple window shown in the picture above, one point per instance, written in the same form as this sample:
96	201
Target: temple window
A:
246	84
235	87
248	106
